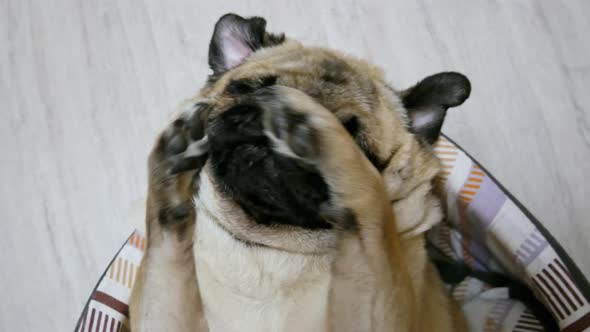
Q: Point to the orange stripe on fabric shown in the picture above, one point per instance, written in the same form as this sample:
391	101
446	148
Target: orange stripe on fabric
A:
143	244
468	192
478	173
118	269
125	272
474	186
475	179
465	198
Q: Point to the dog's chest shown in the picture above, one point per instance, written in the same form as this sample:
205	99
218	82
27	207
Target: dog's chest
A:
249	288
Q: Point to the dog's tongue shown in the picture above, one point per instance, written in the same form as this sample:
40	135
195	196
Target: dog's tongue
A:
271	188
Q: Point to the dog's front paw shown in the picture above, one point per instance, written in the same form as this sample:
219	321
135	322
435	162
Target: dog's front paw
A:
302	129
175	161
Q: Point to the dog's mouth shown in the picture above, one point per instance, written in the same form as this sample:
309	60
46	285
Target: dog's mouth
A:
271	188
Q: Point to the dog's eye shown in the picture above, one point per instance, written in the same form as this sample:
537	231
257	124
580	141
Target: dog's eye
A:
352	126
267	81
249	85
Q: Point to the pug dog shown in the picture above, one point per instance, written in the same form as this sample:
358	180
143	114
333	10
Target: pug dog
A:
293	194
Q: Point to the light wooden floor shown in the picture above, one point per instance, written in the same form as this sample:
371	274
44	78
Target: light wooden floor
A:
86	85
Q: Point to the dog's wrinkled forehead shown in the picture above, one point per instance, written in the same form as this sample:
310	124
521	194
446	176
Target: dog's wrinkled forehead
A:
329	78
245	57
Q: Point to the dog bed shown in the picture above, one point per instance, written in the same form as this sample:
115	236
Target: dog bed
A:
492	253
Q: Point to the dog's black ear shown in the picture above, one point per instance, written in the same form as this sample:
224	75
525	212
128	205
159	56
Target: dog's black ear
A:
235	38
427	102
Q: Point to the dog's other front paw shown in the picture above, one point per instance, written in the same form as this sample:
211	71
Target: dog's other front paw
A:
175	161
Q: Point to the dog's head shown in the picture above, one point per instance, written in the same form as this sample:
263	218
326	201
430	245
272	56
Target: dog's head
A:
269	193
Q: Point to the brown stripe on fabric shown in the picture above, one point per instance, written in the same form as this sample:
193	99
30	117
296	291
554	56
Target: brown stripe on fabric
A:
552	291
91	323
560	289
580	325
112	302
549	300
567	284
119	326
98	321
112	324
85	313
105	322
560	264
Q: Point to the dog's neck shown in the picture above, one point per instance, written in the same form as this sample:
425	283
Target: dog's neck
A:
248	286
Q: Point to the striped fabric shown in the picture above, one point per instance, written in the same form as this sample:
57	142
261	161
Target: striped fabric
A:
485	228
107	309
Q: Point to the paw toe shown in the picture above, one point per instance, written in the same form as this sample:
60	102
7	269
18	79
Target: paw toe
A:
303	141
176	144
198	121
181	163
293	131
